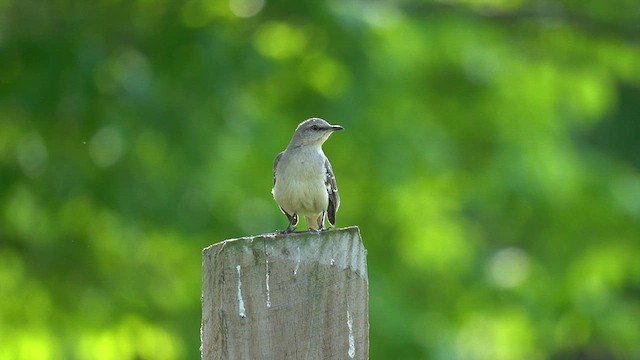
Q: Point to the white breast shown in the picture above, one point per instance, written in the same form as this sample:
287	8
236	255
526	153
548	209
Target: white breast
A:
300	183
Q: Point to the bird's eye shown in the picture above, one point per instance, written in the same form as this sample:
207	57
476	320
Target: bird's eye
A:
315	127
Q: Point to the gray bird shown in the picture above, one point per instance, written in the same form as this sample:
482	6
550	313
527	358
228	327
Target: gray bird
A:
303	180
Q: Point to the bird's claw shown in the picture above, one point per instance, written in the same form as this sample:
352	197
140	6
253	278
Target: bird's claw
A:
288	230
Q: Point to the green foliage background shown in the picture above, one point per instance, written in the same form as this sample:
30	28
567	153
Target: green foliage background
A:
490	157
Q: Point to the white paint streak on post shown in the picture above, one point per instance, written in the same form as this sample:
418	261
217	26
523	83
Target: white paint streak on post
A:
266	281
352	343
310	282
295	271
241	309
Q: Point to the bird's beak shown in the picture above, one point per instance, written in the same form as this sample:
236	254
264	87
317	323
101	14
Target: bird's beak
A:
336	127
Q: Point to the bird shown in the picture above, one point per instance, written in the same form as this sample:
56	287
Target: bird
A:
303	179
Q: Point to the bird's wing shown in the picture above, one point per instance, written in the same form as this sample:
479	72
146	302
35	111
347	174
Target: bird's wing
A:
332	190
275	166
294	222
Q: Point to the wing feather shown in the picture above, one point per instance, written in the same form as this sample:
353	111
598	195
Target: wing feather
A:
332	190
293	219
275	166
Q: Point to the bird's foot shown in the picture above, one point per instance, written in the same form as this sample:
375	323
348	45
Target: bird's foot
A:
288	230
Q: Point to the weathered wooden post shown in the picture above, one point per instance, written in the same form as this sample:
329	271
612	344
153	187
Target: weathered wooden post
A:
290	296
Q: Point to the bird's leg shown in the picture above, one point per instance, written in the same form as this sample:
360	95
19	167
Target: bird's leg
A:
324	215
321	223
293	220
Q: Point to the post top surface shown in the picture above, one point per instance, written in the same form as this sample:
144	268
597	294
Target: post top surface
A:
341	248
275	236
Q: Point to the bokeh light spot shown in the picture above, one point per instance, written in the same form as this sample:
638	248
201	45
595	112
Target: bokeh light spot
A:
326	75
32	155
382	15
626	193
128	70
106	146
502	336
246	8
280	41
509	267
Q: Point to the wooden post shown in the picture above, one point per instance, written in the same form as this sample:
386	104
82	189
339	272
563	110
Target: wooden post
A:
286	296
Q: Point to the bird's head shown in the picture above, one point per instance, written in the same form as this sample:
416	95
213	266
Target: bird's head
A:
314	131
